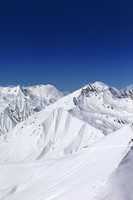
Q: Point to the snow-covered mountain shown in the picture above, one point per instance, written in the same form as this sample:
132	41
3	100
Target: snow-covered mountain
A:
56	147
104	107
50	134
18	103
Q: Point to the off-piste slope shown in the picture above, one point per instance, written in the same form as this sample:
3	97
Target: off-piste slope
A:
49	134
81	176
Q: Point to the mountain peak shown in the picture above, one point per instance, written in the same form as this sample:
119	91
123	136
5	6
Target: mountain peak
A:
100	85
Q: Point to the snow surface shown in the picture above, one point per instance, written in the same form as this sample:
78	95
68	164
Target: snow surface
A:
55	147
98	106
18	103
79	176
56	134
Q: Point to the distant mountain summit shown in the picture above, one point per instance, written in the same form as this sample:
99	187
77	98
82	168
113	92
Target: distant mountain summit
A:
17	103
98	104
65	147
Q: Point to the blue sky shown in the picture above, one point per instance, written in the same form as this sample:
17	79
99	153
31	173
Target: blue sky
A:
67	43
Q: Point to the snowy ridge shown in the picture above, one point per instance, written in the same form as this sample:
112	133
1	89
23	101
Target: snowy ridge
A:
79	146
104	107
56	135
98	106
18	103
82	176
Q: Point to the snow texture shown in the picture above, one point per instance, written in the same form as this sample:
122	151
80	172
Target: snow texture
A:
56	147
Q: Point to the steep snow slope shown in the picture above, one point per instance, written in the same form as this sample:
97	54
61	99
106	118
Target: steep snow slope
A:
80	176
60	152
120	184
99	105
56	134
15	107
104	107
18	103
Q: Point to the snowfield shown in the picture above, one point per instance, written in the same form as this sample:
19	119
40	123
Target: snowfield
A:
55	147
79	176
56	134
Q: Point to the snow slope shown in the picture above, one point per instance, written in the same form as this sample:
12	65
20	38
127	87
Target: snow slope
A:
80	176
120	183
18	103
99	105
63	148
104	107
56	134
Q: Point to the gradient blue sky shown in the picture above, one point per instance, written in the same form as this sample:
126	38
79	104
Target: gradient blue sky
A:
67	43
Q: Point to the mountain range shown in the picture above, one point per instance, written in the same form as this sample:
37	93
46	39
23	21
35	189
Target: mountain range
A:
57	146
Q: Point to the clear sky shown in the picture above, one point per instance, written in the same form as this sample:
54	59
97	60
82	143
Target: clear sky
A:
66	42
